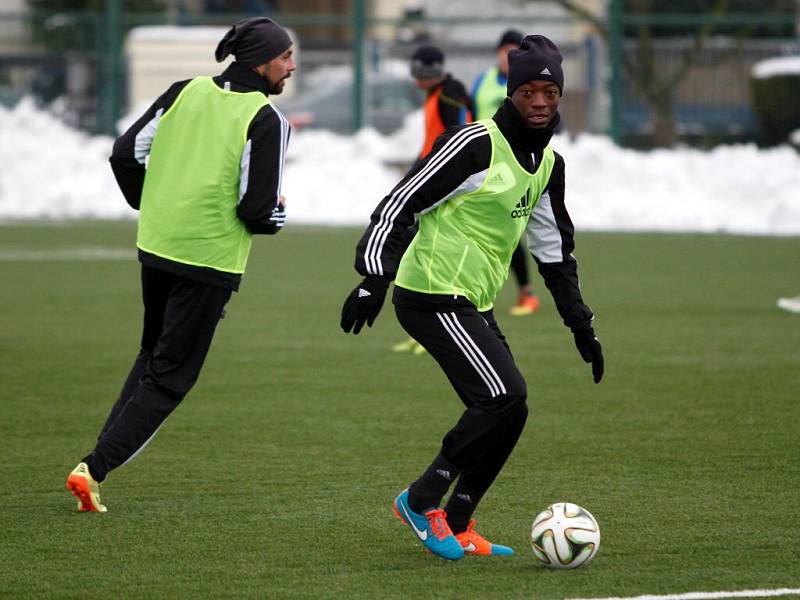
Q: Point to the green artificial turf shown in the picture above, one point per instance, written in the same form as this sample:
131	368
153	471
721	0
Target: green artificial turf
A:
274	478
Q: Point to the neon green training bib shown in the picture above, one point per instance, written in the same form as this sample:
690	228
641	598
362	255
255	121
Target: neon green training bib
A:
489	95
464	245
191	188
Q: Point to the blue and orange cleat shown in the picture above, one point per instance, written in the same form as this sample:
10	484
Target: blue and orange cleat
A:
430	528
474	544
85	489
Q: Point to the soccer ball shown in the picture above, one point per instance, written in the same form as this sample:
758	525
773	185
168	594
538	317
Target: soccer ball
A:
565	536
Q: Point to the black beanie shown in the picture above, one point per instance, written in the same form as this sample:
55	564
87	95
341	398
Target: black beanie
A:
427	62
537	58
510	36
253	41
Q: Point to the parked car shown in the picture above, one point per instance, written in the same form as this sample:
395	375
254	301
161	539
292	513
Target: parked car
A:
388	98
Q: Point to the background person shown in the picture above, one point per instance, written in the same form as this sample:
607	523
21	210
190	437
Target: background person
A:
204	168
484	185
447	104
488	94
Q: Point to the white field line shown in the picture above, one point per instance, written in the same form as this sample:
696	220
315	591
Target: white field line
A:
708	595
76	253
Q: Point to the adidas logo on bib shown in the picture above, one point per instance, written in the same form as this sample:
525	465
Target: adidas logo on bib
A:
523	208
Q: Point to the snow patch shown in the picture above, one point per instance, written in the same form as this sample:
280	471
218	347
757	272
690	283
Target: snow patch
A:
52	171
776	67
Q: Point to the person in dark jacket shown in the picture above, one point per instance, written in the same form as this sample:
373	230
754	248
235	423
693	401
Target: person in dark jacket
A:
447	105
204	167
447	102
483	187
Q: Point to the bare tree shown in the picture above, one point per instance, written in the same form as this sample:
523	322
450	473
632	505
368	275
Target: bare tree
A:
656	84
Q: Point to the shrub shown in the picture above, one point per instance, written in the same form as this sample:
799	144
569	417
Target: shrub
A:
775	86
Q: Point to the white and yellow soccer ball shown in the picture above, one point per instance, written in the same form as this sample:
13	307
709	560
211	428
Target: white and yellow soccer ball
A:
565	536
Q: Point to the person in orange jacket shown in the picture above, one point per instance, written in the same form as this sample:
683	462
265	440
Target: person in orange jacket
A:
447	101
447	104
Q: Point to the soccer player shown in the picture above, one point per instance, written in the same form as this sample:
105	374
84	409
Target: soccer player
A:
488	94
204	167
484	185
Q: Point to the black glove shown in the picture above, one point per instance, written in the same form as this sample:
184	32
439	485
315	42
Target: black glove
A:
591	351
364	303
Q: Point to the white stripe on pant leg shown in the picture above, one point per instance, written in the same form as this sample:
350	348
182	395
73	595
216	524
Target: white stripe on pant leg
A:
142	447
453	334
466	351
481	355
480	360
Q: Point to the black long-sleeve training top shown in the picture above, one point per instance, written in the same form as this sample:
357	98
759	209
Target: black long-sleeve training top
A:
260	178
462	167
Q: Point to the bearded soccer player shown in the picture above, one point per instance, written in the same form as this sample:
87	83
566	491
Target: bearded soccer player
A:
482	188
204	168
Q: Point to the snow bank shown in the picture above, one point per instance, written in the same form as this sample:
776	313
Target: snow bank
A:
775	67
52	171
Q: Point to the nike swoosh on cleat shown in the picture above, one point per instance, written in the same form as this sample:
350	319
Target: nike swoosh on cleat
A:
470	547
423	535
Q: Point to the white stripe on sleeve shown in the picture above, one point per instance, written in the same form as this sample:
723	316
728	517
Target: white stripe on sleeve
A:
470	184
544	237
144	139
399	197
244	169
284	144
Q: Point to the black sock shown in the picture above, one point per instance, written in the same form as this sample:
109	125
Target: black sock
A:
462	503
427	491
98	477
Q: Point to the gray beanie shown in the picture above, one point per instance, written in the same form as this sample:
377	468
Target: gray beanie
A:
427	62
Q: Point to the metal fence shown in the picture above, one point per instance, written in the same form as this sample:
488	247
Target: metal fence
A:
698	73
65	61
75	62
713	99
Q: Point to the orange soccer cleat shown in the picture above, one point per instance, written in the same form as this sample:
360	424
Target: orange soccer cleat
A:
431	528
474	544
85	489
527	304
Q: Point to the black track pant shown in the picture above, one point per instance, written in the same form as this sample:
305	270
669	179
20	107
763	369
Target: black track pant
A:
519	265
180	317
473	353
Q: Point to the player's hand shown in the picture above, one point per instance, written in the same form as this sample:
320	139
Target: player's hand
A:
364	303
590	349
278	215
